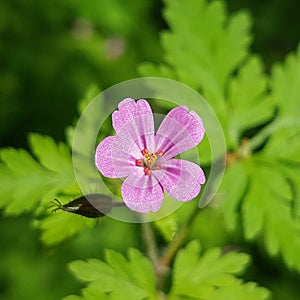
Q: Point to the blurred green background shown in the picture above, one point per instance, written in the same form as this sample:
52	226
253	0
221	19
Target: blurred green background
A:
50	53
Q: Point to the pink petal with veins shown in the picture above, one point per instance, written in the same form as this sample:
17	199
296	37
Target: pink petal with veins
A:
142	193
179	131
135	119
112	161
181	179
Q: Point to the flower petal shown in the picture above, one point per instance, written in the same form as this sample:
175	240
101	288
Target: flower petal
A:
180	130
111	160
142	193
181	179
135	121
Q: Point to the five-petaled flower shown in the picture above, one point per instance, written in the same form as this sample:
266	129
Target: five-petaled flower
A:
147	159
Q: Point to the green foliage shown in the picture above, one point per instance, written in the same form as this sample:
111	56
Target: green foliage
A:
207	276
247	102
193	277
208	50
30	184
203	47
118	278
27	182
60	226
263	188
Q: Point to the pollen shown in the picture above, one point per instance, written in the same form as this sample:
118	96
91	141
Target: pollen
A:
150	158
149	161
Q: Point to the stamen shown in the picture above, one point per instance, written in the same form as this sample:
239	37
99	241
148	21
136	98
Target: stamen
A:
139	162
159	153
147	171
145	151
149	161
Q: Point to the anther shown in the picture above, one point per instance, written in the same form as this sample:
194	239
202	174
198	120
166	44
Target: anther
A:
159	153
147	171
139	162
145	151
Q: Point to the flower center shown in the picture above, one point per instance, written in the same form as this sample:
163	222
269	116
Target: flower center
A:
149	161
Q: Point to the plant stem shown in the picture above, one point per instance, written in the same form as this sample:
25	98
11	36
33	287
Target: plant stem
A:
152	252
150	243
162	264
170	252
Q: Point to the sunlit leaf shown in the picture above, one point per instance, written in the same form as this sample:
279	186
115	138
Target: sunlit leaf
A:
119	278
25	181
204	276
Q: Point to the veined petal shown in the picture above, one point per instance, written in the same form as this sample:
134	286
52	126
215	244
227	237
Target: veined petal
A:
111	160
134	120
181	179
142	193
180	131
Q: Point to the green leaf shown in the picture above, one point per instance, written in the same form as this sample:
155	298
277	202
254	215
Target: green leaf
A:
120	278
248	104
283	132
62	225
271	204
203	47
25	182
28	184
231	191
201	277
221	44
267	207
284	145
285	86
55	157
247	291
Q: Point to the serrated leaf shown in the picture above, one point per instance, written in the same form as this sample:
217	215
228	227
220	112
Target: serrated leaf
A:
248	104
90	270
142	271
203	47
198	277
119	278
267	208
62	225
219	48
231	191
25	182
285	86
53	156
247	291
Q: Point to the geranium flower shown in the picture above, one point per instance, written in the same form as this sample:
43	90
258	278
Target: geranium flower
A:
146	159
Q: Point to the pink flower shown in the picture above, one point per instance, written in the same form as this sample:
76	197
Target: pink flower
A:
147	159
